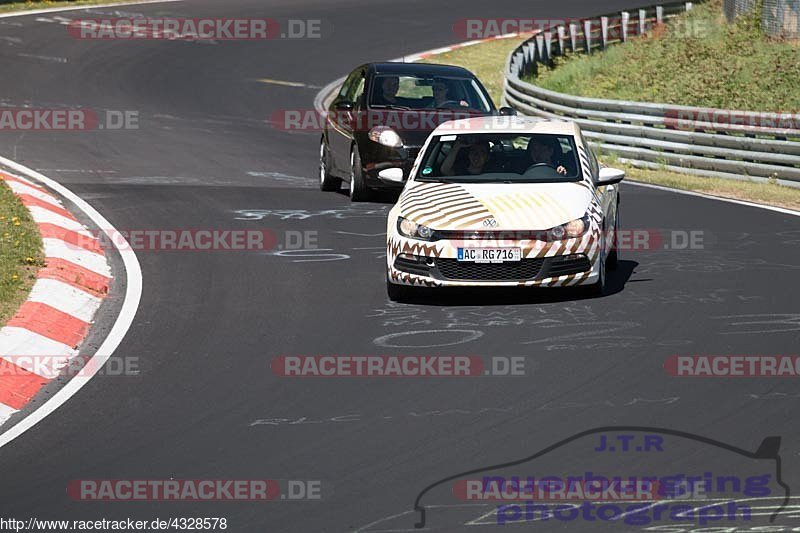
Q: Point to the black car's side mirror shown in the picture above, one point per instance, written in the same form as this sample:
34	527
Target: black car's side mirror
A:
344	105
508	111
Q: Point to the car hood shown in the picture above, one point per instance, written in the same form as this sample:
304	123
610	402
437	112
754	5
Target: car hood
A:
493	206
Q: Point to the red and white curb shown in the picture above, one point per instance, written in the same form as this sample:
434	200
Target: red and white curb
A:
54	320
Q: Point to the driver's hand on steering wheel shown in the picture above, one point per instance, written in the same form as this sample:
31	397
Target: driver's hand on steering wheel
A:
561	170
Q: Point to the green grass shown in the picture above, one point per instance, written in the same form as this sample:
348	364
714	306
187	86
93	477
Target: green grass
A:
22	6
20	253
697	59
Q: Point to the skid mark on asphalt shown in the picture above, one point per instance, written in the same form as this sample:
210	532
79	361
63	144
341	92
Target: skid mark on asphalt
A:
760	323
513	411
341	213
278	178
49	59
582	325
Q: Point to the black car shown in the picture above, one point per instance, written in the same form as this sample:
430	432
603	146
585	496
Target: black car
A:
382	116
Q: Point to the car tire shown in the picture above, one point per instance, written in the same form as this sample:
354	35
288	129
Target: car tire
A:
398	293
613	255
327	182
359	192
599	288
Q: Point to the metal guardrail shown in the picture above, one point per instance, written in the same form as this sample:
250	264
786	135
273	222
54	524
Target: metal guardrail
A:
710	142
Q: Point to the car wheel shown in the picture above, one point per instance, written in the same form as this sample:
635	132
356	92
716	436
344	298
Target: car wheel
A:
599	287
613	256
326	181
398	293
358	188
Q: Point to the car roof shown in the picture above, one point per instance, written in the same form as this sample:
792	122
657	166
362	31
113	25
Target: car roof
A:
508	124
419	69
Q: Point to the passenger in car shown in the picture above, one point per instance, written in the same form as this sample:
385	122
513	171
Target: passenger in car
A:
476	161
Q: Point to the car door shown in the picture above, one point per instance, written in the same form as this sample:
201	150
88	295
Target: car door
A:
342	119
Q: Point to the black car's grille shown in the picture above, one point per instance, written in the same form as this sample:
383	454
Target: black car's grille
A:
524	270
566	265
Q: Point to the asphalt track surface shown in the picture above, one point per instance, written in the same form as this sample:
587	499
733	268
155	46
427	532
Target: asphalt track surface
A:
207	405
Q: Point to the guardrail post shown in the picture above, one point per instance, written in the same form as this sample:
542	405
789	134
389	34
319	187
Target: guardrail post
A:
642	21
625	19
518	60
573	37
659	15
548	47
587	34
603	32
561	32
540	48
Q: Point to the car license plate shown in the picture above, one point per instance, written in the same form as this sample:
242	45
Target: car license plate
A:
489	255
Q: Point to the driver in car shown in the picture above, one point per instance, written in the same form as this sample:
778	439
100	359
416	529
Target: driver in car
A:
441	95
542	150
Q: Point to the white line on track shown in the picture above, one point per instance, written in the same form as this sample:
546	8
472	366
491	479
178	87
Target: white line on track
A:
130	304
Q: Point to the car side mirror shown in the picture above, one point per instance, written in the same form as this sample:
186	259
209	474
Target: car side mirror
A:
394	174
508	111
343	106
609	176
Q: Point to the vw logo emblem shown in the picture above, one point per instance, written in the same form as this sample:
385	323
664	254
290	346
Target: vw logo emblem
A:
490	223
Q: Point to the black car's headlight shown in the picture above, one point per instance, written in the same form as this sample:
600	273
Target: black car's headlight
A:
570	230
409	228
386	136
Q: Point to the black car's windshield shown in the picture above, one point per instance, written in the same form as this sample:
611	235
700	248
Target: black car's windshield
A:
500	158
413	92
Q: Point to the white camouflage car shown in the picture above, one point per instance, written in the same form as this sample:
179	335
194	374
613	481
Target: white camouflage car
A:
503	201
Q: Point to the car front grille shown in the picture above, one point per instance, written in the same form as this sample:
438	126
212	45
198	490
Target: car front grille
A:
452	269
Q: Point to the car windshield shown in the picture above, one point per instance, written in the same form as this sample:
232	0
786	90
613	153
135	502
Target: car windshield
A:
500	158
413	92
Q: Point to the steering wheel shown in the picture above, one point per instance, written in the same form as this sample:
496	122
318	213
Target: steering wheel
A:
450	103
538	165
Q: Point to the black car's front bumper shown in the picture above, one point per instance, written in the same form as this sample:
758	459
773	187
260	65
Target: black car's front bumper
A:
376	157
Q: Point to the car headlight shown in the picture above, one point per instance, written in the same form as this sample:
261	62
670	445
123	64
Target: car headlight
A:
570	230
409	228
386	136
